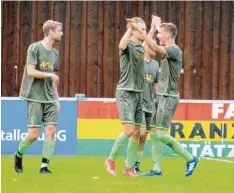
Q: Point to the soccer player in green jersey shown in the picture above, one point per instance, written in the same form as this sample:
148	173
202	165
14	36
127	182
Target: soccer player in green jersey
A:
39	89
151	73
129	96
168	96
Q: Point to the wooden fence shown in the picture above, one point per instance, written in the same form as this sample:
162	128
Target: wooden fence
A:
89	61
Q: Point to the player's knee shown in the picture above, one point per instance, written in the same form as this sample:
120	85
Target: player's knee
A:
142	138
137	132
154	135
128	132
128	129
143	134
33	134
154	129
50	132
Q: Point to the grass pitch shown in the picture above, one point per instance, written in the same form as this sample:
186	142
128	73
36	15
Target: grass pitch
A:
88	175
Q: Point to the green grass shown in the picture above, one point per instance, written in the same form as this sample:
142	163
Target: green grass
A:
75	175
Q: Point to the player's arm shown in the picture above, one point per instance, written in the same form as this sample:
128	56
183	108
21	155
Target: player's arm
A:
32	62
148	40
151	53
56	72
156	80
154	46
156	22
152	30
56	91
33	72
151	43
124	40
56	87
153	27
155	88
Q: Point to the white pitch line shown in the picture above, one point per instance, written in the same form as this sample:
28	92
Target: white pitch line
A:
214	159
218	160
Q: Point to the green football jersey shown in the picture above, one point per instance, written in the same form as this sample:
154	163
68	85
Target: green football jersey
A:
131	68
40	89
170	69
151	73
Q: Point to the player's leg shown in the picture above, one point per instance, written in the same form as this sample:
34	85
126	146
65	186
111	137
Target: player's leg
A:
125	110
163	120
156	149
133	145
143	135
34	117
140	152
177	148
132	149
50	119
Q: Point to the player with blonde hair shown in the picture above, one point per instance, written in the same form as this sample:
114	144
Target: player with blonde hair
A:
39	89
129	96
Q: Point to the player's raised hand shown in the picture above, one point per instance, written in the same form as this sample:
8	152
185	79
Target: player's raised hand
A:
128	22
152	27
156	21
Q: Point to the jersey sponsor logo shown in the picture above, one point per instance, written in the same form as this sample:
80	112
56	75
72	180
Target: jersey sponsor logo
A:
148	78
140	56
46	66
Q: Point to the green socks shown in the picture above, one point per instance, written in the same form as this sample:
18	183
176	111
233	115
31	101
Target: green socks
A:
156	153
118	145
47	152
140	155
131	153
173	143
23	146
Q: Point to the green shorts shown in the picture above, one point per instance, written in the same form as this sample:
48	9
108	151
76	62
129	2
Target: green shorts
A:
146	119
163	111
38	113
129	106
